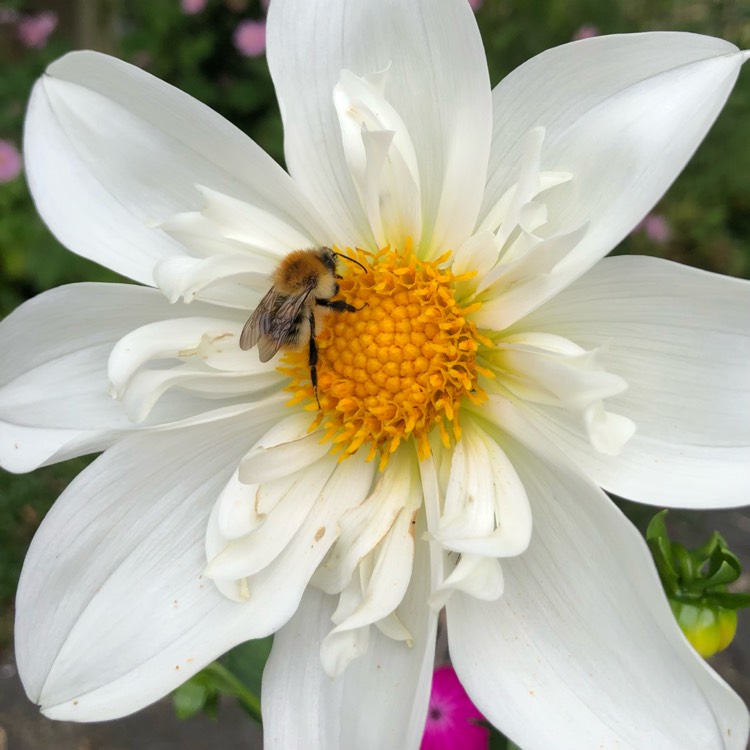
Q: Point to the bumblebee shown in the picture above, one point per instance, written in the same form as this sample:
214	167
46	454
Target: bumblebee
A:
285	317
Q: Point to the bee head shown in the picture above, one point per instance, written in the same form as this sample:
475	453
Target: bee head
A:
328	258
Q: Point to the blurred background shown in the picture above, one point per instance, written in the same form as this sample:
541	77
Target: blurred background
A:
215	50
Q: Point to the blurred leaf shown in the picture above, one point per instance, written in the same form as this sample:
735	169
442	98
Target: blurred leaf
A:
191	698
247	661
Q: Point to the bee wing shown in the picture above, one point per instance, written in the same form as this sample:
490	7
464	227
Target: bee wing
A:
287	317
261	321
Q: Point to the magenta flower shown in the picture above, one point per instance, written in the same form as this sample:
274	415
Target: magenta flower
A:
476	4
10	161
250	38
191	7
586	32
452	719
657	228
34	30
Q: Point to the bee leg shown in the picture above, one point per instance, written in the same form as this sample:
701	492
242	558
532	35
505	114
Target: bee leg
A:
312	357
338	305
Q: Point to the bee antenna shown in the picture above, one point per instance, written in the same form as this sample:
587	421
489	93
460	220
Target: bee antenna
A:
353	260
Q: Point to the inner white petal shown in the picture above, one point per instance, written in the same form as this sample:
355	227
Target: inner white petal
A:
201	237
528	182
196	356
524	259
380	156
511	290
236	508
550	370
383	577
363	527
250	225
280	524
287	447
175	339
505	215
477	255
248	554
147	386
340	647
230	279
479	576
486	510
233	247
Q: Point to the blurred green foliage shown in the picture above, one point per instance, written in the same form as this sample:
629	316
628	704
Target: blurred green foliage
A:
237	674
707	210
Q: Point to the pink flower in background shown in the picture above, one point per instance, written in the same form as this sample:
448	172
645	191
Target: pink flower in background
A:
476	4
10	161
452	719
250	38
34	30
586	32
191	7
657	228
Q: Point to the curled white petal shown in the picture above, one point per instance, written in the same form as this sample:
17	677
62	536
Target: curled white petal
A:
486	510
284	449
381	158
476	575
548	369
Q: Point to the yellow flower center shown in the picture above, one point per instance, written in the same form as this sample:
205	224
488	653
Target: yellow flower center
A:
398	367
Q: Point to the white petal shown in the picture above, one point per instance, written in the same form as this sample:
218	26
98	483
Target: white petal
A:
437	81
278	587
236	512
250	554
431	500
380	701
522	285
623	114
381	158
287	447
147	388
245	222
553	374
582	651
364	526
241	279
486	511
54	397
477	255
103	133
479	577
679	337
112	610
383	590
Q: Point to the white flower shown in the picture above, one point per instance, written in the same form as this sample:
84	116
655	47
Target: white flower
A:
215	515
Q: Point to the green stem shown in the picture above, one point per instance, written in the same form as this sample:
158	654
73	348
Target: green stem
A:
234	686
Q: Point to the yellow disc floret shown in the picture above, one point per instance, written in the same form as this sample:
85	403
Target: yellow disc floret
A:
398	367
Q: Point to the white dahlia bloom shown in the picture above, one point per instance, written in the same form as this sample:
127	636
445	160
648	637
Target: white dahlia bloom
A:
496	374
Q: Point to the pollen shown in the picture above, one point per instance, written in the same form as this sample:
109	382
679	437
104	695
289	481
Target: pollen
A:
400	366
